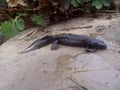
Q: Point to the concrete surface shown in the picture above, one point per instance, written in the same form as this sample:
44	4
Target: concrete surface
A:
68	68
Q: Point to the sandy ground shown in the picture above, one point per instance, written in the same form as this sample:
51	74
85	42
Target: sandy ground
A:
67	68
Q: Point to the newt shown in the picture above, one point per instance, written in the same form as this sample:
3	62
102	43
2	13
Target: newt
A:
89	43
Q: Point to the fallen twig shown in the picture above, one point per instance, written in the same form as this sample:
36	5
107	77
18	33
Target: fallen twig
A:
81	71
81	85
32	34
80	27
27	34
109	11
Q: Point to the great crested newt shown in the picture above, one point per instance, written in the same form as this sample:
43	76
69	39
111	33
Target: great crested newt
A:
87	42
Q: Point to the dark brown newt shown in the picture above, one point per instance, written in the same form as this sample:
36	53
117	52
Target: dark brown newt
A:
91	44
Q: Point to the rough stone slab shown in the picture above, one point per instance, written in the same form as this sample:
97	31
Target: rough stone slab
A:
68	68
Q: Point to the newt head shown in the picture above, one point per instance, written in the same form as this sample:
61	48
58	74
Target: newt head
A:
98	44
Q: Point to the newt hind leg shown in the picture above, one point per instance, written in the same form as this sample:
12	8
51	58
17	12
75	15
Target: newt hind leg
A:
54	45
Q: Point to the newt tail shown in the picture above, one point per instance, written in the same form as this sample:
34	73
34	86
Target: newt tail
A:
38	44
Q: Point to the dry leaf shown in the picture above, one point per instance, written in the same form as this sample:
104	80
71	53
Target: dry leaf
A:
14	3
